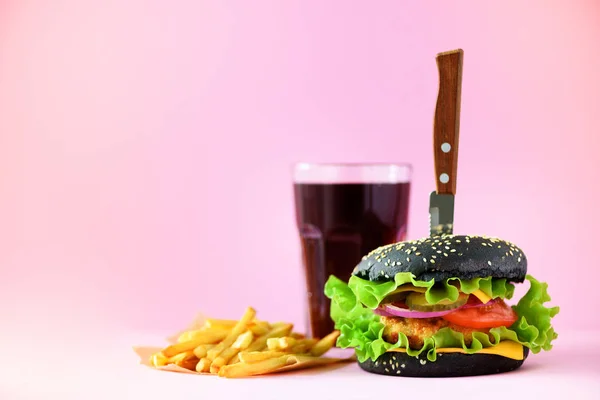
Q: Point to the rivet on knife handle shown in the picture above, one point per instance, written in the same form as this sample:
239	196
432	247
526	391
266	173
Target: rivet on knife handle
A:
447	120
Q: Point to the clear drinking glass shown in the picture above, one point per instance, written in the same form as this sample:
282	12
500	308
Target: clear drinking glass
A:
343	211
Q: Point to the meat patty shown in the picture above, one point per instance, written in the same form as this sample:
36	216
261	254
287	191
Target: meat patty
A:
418	329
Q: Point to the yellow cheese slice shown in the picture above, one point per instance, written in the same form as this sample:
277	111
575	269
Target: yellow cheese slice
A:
410	288
507	348
481	296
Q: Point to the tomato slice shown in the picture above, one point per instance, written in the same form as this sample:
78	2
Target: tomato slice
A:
491	315
399	304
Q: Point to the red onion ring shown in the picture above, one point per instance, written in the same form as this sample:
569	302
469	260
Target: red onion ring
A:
389	310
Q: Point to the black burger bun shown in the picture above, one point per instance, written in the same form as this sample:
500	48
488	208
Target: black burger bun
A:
443	257
446	365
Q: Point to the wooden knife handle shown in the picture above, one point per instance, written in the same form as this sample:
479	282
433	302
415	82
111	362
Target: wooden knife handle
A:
447	121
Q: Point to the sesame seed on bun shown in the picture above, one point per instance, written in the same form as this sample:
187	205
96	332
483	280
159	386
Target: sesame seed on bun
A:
446	365
443	257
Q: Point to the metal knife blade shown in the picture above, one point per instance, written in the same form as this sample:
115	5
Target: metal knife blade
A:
441	214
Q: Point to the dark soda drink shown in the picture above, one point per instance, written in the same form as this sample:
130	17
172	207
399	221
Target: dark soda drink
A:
338	224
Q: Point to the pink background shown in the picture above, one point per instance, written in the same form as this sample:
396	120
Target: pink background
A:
145	146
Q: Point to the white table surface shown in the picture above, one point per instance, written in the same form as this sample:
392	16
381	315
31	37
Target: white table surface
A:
108	368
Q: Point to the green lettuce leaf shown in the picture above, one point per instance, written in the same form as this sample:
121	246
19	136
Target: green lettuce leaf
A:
361	329
534	325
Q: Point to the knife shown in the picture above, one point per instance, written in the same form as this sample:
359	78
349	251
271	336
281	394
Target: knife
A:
445	142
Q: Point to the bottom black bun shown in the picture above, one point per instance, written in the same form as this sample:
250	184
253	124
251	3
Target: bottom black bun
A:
447	364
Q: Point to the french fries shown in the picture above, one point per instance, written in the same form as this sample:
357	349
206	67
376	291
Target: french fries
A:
287	343
244	347
202	350
203	365
302	347
296	335
282	343
235	359
213	335
180	358
233	334
323	345
241	343
189	364
255	356
257	327
159	360
208	337
262	367
278	331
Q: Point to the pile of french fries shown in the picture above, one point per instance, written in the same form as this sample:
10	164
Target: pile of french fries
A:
247	347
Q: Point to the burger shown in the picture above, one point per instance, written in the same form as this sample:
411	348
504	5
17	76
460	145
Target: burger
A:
437	307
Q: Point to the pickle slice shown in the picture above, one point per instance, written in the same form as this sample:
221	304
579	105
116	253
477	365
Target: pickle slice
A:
399	295
417	302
